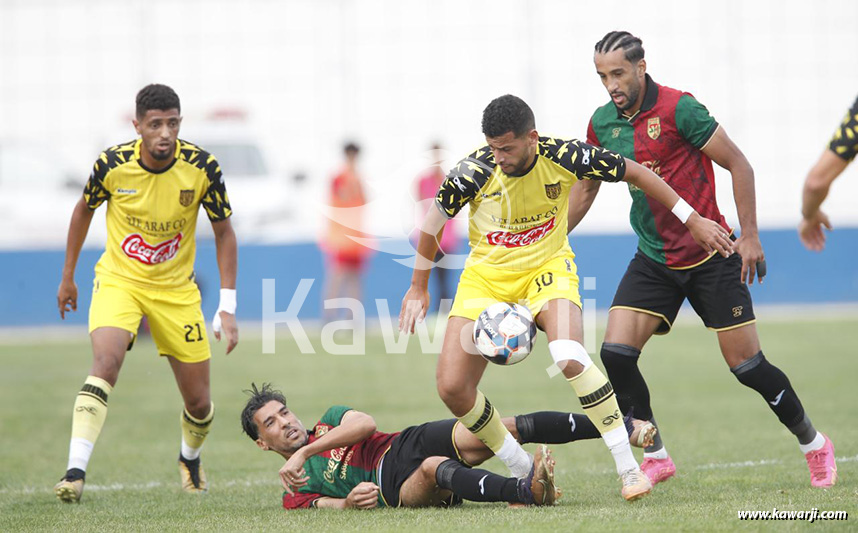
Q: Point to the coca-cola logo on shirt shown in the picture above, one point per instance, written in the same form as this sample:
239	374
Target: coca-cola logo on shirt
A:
521	238
136	248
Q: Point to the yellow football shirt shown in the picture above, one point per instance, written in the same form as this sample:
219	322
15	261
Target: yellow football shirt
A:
152	215
519	222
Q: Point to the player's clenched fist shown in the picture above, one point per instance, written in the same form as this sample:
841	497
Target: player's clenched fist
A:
363	496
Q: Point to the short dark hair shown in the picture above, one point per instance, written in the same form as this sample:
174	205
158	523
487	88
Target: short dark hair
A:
351	147
615	40
157	96
507	113
258	398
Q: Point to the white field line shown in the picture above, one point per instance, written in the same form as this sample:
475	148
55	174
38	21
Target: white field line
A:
140	486
272	480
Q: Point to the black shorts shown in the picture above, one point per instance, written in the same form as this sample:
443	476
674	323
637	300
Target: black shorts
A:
714	289
408	451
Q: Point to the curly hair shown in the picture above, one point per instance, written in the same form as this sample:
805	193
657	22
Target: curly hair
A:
258	398
506	114
157	96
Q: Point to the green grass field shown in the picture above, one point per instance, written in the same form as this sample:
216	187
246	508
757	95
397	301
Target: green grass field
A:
731	452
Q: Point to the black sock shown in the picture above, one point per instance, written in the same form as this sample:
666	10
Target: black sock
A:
73	474
476	484
621	363
552	427
773	385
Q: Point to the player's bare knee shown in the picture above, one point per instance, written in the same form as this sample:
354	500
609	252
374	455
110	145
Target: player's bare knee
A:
734	359
106	366
199	407
457	396
429	466
571	368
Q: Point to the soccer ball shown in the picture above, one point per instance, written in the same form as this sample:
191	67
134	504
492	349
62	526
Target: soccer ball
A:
504	333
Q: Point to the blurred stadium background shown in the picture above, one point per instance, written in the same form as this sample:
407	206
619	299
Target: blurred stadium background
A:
284	84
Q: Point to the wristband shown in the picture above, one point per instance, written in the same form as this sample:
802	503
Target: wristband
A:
227	301
682	210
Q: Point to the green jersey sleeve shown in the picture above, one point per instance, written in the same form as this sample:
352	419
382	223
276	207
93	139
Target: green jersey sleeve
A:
694	122
334	415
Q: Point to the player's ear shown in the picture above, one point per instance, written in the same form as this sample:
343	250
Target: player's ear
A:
136	125
533	136
262	445
641	67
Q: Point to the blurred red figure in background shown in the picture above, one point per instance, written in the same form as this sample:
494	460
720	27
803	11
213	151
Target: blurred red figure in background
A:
428	183
345	255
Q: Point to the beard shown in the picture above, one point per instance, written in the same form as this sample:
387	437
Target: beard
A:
161	155
631	98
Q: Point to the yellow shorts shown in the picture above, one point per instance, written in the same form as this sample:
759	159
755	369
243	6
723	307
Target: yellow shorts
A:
482	285
175	317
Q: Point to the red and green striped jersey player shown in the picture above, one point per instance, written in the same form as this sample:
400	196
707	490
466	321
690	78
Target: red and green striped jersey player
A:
344	462
672	133
835	158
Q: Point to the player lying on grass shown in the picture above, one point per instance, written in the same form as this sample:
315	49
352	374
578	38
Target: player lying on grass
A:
344	462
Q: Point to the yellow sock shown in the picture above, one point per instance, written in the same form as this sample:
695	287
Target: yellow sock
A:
597	398
485	423
194	432
90	412
90	409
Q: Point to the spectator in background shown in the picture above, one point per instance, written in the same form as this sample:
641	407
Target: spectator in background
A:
346	255
428	183
834	160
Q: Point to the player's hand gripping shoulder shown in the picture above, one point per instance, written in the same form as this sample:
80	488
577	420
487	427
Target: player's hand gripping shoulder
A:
413	310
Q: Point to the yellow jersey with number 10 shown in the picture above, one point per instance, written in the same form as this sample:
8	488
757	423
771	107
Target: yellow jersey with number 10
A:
519	222
152	215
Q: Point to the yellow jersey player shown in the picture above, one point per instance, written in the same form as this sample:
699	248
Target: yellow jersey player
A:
154	188
834	160
518	190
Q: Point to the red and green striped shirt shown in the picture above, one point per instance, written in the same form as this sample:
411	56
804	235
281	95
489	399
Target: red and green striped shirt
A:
336	472
667	136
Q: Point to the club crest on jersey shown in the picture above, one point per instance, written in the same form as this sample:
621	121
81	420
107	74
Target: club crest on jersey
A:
552	191
186	196
653	128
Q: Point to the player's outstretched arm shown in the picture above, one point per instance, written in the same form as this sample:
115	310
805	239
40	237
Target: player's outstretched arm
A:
416	299
78	228
707	233
354	427
227	262
816	187
363	496
580	200
721	149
